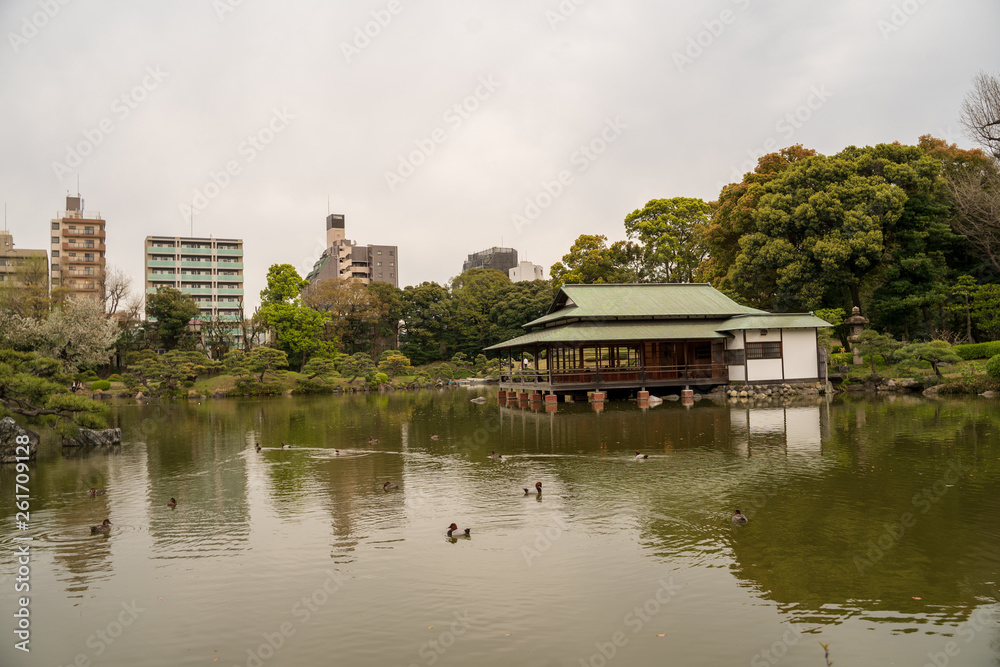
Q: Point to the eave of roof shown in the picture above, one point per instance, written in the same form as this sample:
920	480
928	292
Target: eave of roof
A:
775	321
592	332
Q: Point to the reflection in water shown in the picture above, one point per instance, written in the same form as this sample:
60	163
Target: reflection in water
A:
867	518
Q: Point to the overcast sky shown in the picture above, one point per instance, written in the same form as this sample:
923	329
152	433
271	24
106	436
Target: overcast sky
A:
144	102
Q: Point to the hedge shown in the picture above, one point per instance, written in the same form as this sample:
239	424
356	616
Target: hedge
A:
978	350
100	384
993	367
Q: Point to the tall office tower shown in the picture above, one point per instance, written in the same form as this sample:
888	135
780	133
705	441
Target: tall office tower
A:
78	251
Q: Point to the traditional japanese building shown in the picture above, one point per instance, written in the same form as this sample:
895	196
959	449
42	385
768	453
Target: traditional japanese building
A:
642	336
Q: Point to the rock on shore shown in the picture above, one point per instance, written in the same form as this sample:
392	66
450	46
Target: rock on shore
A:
9	432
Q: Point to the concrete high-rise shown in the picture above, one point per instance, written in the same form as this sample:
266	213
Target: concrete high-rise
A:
501	259
343	258
208	269
22	268
78	251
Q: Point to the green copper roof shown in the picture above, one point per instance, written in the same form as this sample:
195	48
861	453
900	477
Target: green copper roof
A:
641	301
775	321
583	332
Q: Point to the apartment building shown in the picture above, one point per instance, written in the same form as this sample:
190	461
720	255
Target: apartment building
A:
209	269
78	251
344	258
18	267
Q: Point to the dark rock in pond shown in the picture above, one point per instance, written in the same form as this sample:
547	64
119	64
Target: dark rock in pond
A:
85	437
10	430
909	384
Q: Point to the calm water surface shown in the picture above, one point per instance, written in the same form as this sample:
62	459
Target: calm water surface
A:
874	528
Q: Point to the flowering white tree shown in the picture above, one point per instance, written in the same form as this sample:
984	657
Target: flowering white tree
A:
78	334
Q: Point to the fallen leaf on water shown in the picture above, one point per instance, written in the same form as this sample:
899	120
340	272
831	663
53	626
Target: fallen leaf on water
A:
915	597
663	635
430	627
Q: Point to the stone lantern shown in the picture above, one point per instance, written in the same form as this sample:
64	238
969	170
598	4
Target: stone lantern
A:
855	325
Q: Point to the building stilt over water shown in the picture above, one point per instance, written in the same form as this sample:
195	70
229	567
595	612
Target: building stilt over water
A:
643	336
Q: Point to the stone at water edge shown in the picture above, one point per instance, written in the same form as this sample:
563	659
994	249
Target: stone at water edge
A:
85	437
9	430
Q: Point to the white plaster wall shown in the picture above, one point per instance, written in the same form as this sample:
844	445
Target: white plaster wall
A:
800	353
798	348
736	373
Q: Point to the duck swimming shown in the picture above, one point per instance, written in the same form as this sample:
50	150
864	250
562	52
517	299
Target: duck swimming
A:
494	455
372	441
434	436
739	519
454	528
336	452
284	446
538	489
105	527
388	486
259	447
172	503
97	492
639	455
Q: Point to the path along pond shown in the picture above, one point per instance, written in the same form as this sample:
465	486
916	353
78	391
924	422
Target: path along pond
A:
874	528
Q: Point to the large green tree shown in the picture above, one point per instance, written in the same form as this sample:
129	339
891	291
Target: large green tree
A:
428	319
824	229
519	304
284	284
298	329
670	236
172	311
474	294
590	260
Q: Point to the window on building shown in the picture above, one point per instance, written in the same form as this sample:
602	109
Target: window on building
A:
390	253
378	263
88	244
72	227
735	357
55	253
55	239
88	257
763	350
55	267
392	264
88	230
55	226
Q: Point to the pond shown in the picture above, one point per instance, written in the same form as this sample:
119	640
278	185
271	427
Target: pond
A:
873	528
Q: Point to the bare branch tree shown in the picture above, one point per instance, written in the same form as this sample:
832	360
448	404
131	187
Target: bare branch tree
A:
976	195
115	287
981	112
